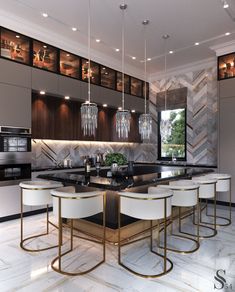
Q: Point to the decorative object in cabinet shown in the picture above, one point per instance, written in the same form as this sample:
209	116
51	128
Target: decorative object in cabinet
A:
15	46
126	82
94	72
226	66
107	77
69	64
44	56
136	87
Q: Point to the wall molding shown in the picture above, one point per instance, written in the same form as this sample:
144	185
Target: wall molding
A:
225	48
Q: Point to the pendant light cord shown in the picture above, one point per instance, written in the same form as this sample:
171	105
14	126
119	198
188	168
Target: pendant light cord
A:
123	55
145	72
165	50
89	51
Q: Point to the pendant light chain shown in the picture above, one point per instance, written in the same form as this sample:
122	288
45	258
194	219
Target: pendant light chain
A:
89	51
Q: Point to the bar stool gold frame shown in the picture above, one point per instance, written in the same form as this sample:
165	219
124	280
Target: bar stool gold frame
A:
214	216
120	244
229	220
60	234
197	242
22	239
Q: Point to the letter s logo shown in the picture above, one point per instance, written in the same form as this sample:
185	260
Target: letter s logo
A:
220	279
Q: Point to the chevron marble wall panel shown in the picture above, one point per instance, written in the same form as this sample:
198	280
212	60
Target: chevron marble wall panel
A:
50	153
202	103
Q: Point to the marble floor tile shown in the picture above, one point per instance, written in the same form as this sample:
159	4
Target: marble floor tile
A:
22	271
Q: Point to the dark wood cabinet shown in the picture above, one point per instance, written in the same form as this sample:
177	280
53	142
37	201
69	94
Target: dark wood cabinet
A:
60	119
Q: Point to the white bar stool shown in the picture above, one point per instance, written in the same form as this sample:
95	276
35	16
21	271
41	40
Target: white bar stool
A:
36	193
223	185
207	190
155	206
71	205
185	194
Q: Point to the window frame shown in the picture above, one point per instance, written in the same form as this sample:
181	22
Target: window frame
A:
160	157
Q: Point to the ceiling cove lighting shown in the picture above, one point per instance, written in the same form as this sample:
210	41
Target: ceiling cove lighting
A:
89	110
145	119
44	14
42	92
123	116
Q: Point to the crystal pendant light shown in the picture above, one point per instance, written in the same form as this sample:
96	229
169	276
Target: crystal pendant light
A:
165	126
89	110
123	116
145	120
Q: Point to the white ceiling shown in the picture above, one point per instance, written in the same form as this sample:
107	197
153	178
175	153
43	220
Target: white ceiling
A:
186	21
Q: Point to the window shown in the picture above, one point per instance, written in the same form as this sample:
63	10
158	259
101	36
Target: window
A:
172	134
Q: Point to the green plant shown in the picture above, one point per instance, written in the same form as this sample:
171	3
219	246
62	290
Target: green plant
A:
118	158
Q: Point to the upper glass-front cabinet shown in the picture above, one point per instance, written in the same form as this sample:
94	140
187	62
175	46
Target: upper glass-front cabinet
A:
108	77
136	87
44	56
126	81
15	46
226	66
94	74
69	64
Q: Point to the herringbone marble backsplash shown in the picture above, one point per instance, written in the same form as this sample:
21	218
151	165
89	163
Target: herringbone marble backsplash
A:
50	153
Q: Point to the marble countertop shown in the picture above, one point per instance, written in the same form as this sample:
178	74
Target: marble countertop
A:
143	174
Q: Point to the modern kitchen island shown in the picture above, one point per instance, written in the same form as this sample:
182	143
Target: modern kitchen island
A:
143	176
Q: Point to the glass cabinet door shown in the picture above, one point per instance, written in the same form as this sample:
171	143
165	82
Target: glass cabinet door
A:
126	81
44	56
69	64
136	87
15	46
95	70
107	77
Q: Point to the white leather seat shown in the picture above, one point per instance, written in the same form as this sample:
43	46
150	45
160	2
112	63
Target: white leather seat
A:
185	194
71	205
223	181
207	186
36	193
155	205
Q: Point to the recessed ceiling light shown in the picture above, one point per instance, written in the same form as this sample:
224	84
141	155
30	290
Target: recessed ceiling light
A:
74	29
120	108
105	105
67	55
97	40
44	46
103	68
149	59
133	111
44	14
42	92
171	52
117	50
87	101
196	44
17	36
133	58
227	33
226	5
67	97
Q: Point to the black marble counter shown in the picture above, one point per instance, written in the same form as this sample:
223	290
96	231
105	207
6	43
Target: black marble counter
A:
143	174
